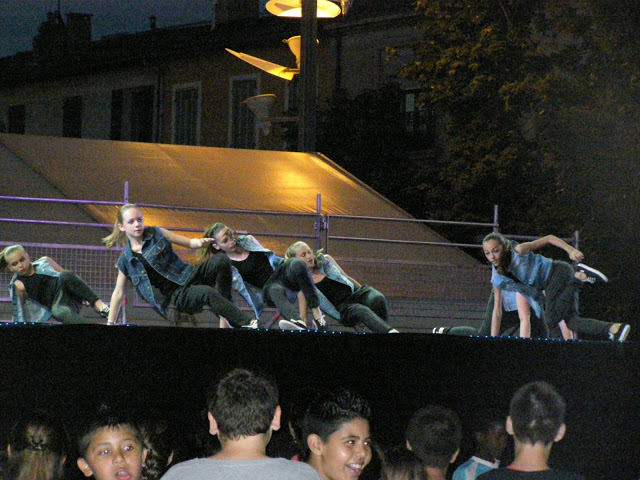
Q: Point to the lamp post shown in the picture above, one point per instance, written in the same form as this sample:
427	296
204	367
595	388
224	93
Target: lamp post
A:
308	77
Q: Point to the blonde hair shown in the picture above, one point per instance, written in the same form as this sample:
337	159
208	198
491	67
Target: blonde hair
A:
117	237
7	251
291	252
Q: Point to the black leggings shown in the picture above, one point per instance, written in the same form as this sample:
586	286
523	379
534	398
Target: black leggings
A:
561	303
365	305
72	290
295	276
210	285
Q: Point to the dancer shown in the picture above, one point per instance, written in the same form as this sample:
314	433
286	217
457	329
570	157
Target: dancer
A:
544	281
261	276
161	278
341	296
508	313
42	289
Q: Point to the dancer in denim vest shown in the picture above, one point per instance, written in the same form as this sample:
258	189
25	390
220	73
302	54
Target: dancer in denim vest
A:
261	276
542	281
42	289
340	295
162	278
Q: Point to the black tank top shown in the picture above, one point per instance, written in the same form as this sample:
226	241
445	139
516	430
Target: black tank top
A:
163	285
41	288
335	292
255	269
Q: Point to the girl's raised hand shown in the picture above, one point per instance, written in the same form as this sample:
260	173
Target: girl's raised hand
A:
576	255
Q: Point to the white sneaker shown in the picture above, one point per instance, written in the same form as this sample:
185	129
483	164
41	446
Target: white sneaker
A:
593	275
292	325
253	324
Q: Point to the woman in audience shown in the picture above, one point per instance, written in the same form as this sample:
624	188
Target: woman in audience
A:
37	449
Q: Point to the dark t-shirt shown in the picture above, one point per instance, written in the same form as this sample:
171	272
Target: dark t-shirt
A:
335	292
41	288
255	269
510	474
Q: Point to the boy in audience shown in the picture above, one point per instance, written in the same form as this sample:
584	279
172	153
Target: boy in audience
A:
490	439
243	412
335	435
434	434
536	422
111	446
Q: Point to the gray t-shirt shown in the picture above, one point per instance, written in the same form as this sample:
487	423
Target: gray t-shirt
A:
264	469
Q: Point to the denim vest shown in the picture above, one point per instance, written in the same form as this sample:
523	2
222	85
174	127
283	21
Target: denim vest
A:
31	311
334	273
157	251
533	272
251	293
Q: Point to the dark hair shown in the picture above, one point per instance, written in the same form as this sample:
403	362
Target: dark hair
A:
505	244
434	433
160	441
38	448
402	464
210	232
537	413
105	417
243	404
328	411
485	420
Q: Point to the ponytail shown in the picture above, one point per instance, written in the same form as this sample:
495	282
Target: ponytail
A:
210	232
118	237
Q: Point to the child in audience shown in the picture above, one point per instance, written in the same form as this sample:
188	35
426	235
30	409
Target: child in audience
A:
536	422
162	278
402	464
110	446
243	413
254	274
37	449
336	436
42	289
490	439
434	434
340	295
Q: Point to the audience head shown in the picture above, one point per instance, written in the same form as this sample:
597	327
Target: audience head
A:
402	464
338	439
37	449
110	445
536	414
160	441
490	435
243	404
434	434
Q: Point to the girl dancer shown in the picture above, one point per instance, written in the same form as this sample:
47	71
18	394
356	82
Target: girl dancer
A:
43	289
161	278
260	276
541	280
340	295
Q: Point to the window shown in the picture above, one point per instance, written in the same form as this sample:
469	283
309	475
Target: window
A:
17	118
419	121
132	114
72	117
243	132
186	114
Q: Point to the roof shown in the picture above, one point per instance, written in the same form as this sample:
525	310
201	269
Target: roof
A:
271	194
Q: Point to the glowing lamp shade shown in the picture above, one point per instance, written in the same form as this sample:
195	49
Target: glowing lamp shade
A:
260	106
293	8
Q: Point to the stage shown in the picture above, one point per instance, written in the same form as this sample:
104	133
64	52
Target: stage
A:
69	369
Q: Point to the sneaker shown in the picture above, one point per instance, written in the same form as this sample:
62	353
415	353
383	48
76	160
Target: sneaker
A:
593	275
253	324
292	325
320	323
622	333
104	312
393	330
440	330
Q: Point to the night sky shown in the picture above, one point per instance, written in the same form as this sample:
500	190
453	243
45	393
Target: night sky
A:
20	19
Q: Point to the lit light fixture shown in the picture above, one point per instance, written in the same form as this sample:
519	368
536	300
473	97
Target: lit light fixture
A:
293	8
260	106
